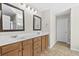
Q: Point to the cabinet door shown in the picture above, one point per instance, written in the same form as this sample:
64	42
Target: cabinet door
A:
12	53
37	46
37	51
27	51
11	49
43	43
46	41
27	48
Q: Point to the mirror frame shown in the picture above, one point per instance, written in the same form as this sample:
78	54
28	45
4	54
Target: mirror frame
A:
1	27
34	29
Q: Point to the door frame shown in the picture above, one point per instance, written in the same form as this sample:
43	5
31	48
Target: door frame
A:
69	28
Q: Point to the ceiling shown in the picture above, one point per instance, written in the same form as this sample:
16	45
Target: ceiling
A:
55	7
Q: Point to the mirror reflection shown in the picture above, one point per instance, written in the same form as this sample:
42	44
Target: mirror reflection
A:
12	18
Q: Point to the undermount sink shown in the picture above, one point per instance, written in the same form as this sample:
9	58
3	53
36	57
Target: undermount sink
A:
23	36
18	37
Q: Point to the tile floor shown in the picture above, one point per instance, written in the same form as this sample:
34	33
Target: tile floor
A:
60	49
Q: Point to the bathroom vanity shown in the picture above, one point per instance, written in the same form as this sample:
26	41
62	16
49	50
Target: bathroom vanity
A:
28	44
25	47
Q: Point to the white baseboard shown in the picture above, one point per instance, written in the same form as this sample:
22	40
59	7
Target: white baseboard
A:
51	45
74	49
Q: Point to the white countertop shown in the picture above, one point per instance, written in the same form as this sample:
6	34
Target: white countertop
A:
4	40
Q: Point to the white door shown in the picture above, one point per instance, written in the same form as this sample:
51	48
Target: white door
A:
63	30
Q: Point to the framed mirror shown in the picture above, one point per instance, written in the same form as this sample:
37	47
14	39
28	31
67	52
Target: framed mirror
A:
37	22
11	18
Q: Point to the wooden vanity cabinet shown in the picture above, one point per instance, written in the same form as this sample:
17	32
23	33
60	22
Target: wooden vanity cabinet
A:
11	50
44	42
27	47
37	46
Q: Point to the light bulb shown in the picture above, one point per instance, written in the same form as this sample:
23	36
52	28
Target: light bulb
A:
32	9
36	11
28	7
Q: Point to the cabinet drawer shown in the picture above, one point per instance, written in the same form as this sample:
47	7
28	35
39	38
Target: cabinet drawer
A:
37	52
43	37
27	42
10	47
38	43
37	39
27	46
36	47
12	53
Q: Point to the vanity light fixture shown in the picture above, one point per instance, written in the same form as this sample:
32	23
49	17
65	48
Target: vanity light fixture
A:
26	6
21	3
35	11
31	9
